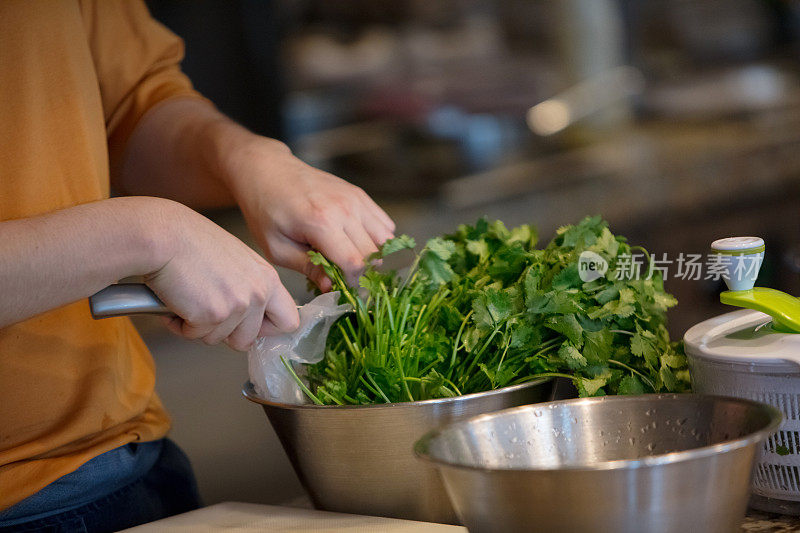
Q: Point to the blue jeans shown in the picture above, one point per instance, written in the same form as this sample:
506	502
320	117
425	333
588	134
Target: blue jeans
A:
128	486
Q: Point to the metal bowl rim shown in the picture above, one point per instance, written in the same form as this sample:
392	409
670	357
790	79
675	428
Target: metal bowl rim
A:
620	464
248	391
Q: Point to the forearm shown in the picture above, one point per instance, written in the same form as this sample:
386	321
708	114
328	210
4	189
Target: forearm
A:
184	150
187	151
51	260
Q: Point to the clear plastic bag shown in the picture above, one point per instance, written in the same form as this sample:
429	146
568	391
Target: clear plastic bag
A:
270	378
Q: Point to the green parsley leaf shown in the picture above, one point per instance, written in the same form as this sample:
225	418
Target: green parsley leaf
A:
591	387
571	356
402	242
568	326
630	385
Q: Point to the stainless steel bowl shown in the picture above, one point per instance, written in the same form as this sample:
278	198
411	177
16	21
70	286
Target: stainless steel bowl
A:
655	463
360	459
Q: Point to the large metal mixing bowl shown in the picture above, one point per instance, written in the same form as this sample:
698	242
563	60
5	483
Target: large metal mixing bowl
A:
654	463
360	459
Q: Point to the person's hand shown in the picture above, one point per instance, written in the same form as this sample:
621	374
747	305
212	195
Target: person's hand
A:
221	290
291	207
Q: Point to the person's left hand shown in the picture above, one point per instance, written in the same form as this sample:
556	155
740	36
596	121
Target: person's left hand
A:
291	207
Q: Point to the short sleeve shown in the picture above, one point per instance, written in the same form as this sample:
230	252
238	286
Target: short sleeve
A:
137	61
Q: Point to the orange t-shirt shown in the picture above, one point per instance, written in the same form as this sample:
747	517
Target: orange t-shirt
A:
75	79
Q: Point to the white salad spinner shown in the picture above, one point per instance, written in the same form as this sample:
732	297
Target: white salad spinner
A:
755	353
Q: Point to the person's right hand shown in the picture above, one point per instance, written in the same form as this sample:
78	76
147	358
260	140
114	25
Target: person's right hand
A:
219	288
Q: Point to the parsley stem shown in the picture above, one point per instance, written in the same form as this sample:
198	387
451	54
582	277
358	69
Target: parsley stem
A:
300	382
544	375
547	348
480	353
457	342
350	346
644	378
505	351
369	377
412	272
454	386
403	377
622	331
368	386
429	366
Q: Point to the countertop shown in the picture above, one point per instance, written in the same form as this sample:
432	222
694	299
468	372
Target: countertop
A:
247	517
756	521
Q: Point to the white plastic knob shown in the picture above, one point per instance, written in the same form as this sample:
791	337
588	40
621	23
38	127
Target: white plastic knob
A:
740	259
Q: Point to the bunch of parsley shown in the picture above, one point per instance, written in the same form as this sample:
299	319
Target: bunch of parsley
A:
485	308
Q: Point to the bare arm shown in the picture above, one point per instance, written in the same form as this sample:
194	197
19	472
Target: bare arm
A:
218	287
186	150
51	260
178	151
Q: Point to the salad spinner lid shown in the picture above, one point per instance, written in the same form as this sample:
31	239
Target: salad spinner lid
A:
767	331
746	337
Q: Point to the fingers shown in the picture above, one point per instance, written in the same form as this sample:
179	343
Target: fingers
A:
338	247
210	333
194	331
366	246
268	329
376	211
246	332
319	278
173	324
285	252
348	236
281	310
338	219
348	247
362	240
224	330
262	305
376	229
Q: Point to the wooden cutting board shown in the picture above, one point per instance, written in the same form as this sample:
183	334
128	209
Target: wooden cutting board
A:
250	517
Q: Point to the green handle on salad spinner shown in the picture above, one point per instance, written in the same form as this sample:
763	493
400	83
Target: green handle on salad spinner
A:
783	308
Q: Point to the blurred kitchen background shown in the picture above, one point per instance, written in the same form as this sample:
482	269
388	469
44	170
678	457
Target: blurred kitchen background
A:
676	120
